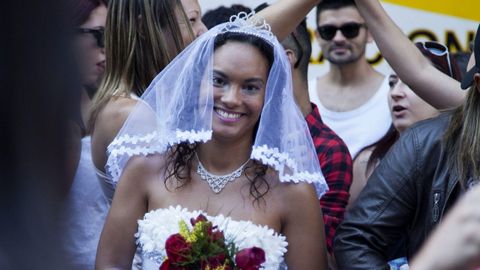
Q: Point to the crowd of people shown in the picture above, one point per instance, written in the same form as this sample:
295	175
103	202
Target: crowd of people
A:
181	119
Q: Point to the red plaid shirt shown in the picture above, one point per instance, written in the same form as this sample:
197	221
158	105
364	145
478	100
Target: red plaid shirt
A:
336	165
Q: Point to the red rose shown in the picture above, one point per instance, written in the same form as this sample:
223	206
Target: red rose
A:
177	249
198	219
250	258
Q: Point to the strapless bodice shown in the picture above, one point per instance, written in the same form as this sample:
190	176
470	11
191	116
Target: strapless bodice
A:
158	225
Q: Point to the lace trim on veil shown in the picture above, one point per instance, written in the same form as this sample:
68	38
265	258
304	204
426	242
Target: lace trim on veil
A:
151	143
287	168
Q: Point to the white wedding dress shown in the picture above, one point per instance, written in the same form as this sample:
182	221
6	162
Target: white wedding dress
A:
158	225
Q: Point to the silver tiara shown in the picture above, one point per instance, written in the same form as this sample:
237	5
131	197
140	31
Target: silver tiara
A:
250	24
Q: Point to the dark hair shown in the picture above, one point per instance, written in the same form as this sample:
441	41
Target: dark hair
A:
179	160
299	41
222	14
81	9
179	166
333	4
381	148
265	48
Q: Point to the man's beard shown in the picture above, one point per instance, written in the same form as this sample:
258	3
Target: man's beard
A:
352	58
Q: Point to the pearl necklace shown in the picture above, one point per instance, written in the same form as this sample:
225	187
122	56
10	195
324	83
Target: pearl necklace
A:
218	182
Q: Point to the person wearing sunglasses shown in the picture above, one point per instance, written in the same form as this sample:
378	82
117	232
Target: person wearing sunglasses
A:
440	91
351	93
332	152
90	42
89	20
431	166
84	208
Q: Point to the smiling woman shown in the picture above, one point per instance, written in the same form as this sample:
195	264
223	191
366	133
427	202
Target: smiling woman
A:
239	82
201	141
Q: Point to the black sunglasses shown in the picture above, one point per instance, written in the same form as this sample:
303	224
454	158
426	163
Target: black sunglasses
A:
98	34
349	30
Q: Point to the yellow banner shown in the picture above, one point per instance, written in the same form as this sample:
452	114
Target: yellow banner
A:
466	9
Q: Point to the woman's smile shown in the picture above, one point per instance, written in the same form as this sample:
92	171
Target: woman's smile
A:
228	116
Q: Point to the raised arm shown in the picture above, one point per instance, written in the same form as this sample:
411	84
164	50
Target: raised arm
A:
303	227
117	242
430	84
284	15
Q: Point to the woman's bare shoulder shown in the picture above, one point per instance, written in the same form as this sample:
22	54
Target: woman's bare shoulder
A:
111	118
297	201
150	165
116	112
293	191
290	192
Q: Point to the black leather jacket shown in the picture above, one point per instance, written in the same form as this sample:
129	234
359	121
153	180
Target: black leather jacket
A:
405	197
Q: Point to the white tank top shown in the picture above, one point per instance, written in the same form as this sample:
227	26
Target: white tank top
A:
362	126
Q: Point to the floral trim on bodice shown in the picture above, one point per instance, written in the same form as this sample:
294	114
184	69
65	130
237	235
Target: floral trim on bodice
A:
159	224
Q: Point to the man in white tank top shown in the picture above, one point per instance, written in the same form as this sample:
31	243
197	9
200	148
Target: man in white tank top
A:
352	96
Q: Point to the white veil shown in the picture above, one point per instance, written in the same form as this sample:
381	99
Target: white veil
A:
173	109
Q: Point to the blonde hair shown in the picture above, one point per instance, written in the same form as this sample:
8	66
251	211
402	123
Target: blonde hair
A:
463	138
136	46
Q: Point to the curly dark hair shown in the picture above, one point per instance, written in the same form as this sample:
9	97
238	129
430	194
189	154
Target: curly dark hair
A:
179	167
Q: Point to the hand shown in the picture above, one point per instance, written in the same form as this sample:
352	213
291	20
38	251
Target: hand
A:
455	244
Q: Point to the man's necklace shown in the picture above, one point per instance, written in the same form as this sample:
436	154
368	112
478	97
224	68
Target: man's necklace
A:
218	182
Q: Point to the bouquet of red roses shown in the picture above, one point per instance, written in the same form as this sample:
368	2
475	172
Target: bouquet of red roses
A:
204	247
